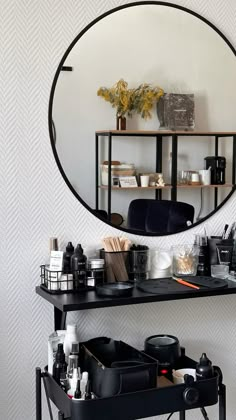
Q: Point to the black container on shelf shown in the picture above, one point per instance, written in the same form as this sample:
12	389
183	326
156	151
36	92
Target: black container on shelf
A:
115	368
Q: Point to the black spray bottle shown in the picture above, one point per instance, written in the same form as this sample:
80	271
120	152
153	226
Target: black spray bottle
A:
78	265
67	257
60	366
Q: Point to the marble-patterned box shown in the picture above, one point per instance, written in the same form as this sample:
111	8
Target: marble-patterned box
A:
176	112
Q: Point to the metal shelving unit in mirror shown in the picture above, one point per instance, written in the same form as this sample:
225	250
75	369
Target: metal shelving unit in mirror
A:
160	136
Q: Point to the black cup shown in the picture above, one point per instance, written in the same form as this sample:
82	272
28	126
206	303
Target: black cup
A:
165	348
213	241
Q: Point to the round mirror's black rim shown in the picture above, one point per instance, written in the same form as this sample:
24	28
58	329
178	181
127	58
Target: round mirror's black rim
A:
51	124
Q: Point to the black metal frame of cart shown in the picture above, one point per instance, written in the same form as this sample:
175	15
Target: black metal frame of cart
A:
134	405
159	137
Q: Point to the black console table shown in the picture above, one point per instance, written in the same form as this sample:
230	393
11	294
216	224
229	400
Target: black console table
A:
159	136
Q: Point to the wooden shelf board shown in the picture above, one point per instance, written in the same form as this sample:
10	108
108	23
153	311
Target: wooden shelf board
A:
205	186
103	187
166	133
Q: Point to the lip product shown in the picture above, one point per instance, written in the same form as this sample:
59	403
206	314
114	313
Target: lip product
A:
78	394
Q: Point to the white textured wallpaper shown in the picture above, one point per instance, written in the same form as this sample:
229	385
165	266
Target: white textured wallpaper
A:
36	204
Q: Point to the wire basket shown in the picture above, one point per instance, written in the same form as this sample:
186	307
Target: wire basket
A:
57	282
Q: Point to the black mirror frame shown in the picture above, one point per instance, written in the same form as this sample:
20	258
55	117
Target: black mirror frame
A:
51	125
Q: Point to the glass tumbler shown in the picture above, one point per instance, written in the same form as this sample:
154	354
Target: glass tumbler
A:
185	260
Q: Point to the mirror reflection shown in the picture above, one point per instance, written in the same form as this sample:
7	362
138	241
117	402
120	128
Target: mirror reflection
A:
148	169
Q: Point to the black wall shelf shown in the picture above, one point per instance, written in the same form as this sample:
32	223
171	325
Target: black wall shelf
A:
90	300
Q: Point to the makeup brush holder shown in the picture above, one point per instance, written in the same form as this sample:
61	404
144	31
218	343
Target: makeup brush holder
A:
116	266
140	264
215	242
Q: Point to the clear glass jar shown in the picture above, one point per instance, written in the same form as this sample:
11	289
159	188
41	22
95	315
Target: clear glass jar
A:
185	260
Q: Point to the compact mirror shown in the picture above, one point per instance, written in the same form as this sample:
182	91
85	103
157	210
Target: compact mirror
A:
162	160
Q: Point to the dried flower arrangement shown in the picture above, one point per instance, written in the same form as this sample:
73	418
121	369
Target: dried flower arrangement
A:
126	101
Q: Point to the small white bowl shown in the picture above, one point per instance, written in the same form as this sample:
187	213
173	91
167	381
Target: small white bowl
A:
178	375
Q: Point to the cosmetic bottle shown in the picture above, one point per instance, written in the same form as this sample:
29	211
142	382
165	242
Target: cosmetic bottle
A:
73	384
53	246
203	257
204	368
77	394
70	337
67	257
60	365
73	363
78	266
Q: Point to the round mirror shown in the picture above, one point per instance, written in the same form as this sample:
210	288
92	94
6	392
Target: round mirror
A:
173	164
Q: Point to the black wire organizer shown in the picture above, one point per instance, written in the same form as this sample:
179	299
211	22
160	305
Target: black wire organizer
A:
59	282
136	405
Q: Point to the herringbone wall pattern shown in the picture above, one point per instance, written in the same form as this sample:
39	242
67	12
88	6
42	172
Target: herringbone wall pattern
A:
36	204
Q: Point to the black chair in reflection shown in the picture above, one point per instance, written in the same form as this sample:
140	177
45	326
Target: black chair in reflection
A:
159	216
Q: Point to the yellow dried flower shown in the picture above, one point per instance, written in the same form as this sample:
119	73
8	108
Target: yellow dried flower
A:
126	101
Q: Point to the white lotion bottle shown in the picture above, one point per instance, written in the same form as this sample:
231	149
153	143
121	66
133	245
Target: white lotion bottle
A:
70	337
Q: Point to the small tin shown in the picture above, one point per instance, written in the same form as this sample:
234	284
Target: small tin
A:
95	272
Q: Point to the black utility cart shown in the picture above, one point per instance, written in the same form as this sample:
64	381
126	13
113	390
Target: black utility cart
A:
135	405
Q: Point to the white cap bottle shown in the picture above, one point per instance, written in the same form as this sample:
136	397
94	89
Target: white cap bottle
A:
70	337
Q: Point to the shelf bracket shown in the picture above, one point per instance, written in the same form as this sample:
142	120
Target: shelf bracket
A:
59	319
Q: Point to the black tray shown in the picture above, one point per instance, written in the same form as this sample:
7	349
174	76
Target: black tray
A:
169	285
135	405
115	289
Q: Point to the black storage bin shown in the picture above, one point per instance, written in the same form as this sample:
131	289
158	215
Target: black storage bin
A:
116	368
